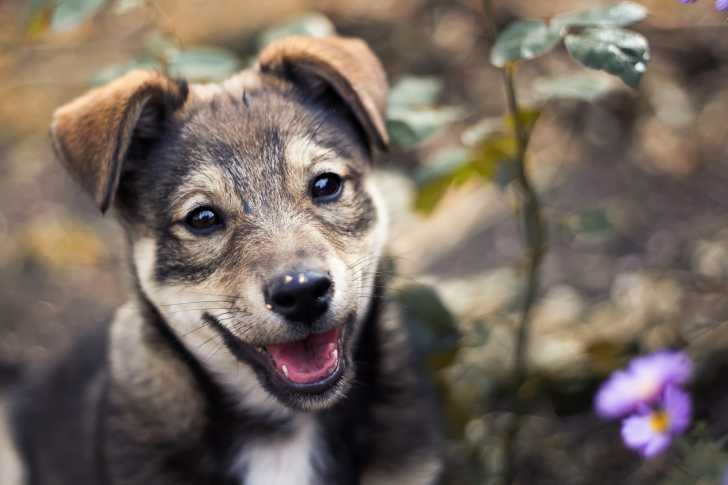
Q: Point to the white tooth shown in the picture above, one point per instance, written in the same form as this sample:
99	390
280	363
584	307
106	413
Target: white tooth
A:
285	370
335	354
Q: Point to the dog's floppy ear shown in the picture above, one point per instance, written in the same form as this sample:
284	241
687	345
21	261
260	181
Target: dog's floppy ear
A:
347	66
92	134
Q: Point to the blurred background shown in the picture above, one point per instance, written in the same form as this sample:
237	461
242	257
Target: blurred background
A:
634	187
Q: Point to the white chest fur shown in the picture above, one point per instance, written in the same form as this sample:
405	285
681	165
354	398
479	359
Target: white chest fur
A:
285	461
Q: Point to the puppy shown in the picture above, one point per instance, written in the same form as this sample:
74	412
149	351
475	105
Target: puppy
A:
258	347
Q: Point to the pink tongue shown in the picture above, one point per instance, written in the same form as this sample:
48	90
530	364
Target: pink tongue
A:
308	360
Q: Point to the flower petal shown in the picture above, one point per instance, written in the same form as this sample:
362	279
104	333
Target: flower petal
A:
678	407
667	367
657	445
639	435
616	397
642	383
636	431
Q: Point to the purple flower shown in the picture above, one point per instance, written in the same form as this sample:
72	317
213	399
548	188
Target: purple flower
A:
642	383
725	478
720	5
651	432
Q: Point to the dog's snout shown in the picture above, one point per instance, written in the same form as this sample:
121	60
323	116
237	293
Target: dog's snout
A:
300	296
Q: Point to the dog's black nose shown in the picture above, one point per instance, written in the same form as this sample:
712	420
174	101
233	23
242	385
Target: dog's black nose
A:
300	296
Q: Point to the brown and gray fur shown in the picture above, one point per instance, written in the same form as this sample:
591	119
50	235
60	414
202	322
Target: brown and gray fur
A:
171	391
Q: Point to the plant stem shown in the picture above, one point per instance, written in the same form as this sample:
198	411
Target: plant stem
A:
535	241
533	225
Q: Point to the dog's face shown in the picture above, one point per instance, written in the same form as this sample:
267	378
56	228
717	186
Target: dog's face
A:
254	229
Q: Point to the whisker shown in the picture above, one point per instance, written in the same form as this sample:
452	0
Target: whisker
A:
193	330
196	302
215	295
199	309
210	339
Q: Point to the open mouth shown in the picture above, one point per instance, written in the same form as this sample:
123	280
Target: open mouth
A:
311	361
312	364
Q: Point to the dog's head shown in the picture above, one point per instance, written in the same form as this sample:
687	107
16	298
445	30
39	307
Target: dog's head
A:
254	228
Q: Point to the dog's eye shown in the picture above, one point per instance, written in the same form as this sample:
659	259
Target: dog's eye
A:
203	220
326	187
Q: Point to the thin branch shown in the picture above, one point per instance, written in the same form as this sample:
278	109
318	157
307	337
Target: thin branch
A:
535	241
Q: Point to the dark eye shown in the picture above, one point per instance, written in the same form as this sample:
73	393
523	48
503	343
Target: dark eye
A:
203	220
326	187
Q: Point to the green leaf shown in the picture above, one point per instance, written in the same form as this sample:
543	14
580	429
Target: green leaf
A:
528	118
312	24
591	221
592	225
523	40
203	64
702	458
161	46
69	14
39	19
443	164
584	87
456	167
402	134
489	156
112	72
413	91
618	15
433	328
411	118
410	126
434	179
124	6
505	173
620	52
484	128
430	194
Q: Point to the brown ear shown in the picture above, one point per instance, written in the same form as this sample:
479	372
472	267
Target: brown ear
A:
92	134
346	65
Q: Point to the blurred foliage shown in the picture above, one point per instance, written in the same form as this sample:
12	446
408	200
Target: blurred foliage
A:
617	51
68	14
619	15
492	148
412	116
201	64
312	24
600	45
523	40
590	221
62	16
704	460
574	86
597	43
433	327
39	18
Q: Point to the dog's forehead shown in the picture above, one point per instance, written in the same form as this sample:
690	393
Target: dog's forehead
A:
256	124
